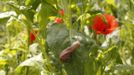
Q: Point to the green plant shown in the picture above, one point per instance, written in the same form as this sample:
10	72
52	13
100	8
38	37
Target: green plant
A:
60	23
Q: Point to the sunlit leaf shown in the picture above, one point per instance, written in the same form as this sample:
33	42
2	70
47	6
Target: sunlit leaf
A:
35	62
112	2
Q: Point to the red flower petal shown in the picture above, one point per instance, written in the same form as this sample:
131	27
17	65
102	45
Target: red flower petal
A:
101	27
61	12
33	36
58	20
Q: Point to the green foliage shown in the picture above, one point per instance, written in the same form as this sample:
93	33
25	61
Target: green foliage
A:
97	55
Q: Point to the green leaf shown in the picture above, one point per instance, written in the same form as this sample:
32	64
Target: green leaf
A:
14	26
3	20
58	39
51	1
112	2
29	13
46	10
33	3
29	2
57	35
35	64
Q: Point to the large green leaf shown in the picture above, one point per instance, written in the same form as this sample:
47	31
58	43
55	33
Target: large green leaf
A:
58	39
34	65
46	10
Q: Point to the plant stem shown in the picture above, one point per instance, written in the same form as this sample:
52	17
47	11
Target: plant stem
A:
27	70
67	18
7	69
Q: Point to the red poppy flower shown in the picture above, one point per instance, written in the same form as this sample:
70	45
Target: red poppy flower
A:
104	24
58	20
33	36
61	12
